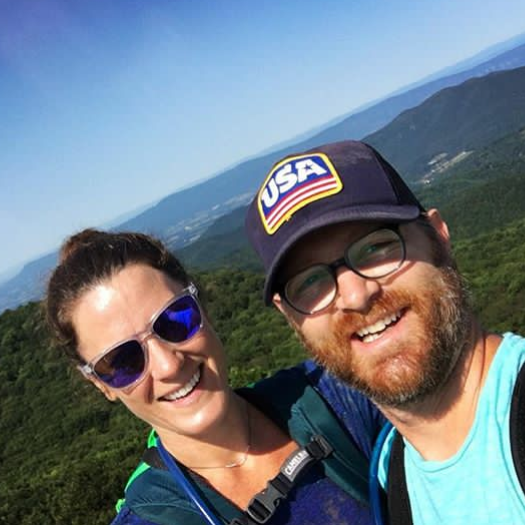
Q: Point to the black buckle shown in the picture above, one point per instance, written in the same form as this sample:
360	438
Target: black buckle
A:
319	448
263	505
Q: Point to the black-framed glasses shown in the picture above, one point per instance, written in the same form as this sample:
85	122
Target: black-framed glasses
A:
125	363
375	255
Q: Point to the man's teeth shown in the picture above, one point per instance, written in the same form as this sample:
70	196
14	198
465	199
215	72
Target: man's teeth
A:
373	332
187	388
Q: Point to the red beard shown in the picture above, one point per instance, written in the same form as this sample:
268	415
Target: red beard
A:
418	366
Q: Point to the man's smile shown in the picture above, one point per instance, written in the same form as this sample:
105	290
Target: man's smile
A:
375	330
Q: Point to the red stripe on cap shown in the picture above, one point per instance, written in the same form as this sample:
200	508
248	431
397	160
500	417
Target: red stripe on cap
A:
299	195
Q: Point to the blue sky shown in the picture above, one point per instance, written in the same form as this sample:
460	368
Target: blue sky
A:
107	105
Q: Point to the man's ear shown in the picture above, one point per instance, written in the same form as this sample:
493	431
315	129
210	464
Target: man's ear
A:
439	225
287	311
277	301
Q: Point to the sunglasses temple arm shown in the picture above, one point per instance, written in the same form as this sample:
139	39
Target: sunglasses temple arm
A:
85	370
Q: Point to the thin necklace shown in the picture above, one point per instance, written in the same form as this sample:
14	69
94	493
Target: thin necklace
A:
242	461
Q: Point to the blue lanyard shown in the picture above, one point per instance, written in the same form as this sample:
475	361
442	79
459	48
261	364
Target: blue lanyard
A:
373	478
179	476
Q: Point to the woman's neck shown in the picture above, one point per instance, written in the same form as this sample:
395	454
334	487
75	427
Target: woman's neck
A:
224	444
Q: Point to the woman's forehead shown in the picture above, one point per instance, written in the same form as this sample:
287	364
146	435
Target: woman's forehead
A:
127	300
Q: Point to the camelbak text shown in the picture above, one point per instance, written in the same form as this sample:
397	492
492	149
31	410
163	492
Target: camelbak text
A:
295	462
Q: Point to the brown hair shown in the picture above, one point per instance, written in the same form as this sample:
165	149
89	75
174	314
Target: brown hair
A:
90	257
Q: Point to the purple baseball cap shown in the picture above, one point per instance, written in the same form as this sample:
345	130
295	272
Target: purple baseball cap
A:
339	182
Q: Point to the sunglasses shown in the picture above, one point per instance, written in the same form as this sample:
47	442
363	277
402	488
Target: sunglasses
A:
373	256
125	363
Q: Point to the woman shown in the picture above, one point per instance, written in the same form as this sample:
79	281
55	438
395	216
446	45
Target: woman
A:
124	308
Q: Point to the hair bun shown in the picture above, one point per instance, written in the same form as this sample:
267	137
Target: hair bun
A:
77	241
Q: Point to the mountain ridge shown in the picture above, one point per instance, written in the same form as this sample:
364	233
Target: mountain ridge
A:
460	118
182	217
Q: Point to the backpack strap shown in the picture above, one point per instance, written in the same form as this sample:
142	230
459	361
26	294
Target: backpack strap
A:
399	512
152	457
296	406
264	504
398	500
290	400
517	427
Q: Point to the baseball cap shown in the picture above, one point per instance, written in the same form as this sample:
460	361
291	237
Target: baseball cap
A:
333	183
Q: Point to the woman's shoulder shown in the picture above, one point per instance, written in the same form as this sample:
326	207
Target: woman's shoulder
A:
361	418
127	517
277	394
153	498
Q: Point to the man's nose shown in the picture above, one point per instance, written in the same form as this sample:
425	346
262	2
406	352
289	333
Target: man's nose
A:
354	292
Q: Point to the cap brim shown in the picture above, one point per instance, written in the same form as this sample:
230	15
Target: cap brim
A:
369	213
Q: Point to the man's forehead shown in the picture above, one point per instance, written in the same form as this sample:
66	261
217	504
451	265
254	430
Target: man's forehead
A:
322	246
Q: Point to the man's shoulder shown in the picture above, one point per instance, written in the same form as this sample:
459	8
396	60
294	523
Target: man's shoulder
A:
512	342
510	355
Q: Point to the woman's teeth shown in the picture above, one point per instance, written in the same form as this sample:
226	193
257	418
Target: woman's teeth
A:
187	388
374	331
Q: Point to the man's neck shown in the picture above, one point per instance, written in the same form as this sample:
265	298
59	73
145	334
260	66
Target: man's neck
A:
438	426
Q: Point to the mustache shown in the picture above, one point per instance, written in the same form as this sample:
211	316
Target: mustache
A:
387	304
419	360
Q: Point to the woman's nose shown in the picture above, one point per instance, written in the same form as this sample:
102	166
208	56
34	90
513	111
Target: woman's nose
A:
164	360
354	292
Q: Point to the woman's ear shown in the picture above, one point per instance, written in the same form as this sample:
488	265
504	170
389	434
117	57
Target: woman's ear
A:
108	393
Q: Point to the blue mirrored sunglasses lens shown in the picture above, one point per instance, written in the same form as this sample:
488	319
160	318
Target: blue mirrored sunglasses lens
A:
180	321
122	366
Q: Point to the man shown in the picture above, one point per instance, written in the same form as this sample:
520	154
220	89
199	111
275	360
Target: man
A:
366	278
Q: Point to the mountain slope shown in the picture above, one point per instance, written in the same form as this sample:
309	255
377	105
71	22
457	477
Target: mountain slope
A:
233	187
504	55
455	120
504	157
484	193
182	217
370	120
28	284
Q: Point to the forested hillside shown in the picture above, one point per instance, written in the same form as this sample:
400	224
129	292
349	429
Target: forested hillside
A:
65	452
453	121
494	265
